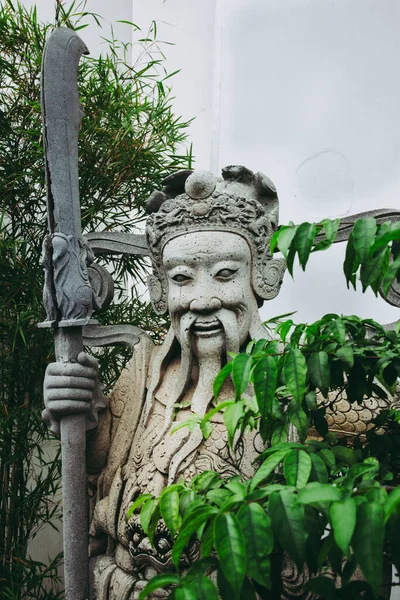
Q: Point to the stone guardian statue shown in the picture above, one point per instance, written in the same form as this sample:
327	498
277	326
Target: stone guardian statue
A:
208	239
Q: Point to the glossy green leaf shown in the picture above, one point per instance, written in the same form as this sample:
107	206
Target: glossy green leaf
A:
267	467
232	416
287	518
159	581
297	468
241	368
338	330
230	547
190	525
328	457
318	371
392	272
372	269
363	233
299	419
221	378
304	240
368	542
346	355
169	507
284	237
202	588
146	513
330	227
351	263
391	234
343	517
280	432
318	492
318	469
295	373
138	502
205	481
392	502
265	376
258	540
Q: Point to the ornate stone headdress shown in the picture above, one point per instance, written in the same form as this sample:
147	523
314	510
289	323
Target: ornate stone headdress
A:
242	202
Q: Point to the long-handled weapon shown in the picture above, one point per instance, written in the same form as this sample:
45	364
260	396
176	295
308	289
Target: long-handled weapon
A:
67	292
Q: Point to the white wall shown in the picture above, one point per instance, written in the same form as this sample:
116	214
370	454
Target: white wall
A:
305	91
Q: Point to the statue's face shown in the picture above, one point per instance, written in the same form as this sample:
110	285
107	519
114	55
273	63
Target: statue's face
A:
209	288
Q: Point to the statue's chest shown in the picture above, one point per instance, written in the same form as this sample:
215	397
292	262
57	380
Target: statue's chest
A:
161	455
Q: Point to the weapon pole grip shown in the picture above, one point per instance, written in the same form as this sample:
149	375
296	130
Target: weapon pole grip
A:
75	502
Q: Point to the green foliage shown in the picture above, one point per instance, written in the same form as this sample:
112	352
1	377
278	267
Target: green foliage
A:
372	251
130	139
329	502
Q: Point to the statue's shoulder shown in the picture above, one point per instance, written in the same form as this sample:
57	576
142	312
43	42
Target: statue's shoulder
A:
131	384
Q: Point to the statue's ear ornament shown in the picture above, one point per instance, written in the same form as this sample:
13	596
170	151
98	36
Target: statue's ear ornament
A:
268	277
158	294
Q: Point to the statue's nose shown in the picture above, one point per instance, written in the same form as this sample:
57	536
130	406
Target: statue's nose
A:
203	304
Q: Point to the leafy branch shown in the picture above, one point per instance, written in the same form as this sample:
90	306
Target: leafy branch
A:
372	251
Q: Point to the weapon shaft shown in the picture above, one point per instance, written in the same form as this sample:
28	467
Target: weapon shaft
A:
68	344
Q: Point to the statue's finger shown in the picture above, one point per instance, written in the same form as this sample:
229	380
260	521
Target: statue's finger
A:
71	369
88	361
57	394
63	381
62	408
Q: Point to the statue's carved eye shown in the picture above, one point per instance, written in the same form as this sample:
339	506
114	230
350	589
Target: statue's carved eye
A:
181	278
226	273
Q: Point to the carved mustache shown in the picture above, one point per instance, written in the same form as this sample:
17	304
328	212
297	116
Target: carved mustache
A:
223	318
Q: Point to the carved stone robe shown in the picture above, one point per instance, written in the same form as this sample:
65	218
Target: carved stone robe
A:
126	458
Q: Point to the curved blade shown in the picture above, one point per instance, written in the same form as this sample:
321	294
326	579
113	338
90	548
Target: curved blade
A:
62	115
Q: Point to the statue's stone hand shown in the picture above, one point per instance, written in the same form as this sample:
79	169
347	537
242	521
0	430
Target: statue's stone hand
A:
73	388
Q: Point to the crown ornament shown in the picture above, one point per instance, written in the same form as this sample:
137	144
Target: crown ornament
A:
241	202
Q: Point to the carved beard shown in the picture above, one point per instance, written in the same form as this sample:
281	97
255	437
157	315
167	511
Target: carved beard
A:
212	355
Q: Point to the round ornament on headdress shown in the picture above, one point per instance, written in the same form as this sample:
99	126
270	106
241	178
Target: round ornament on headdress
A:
200	185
